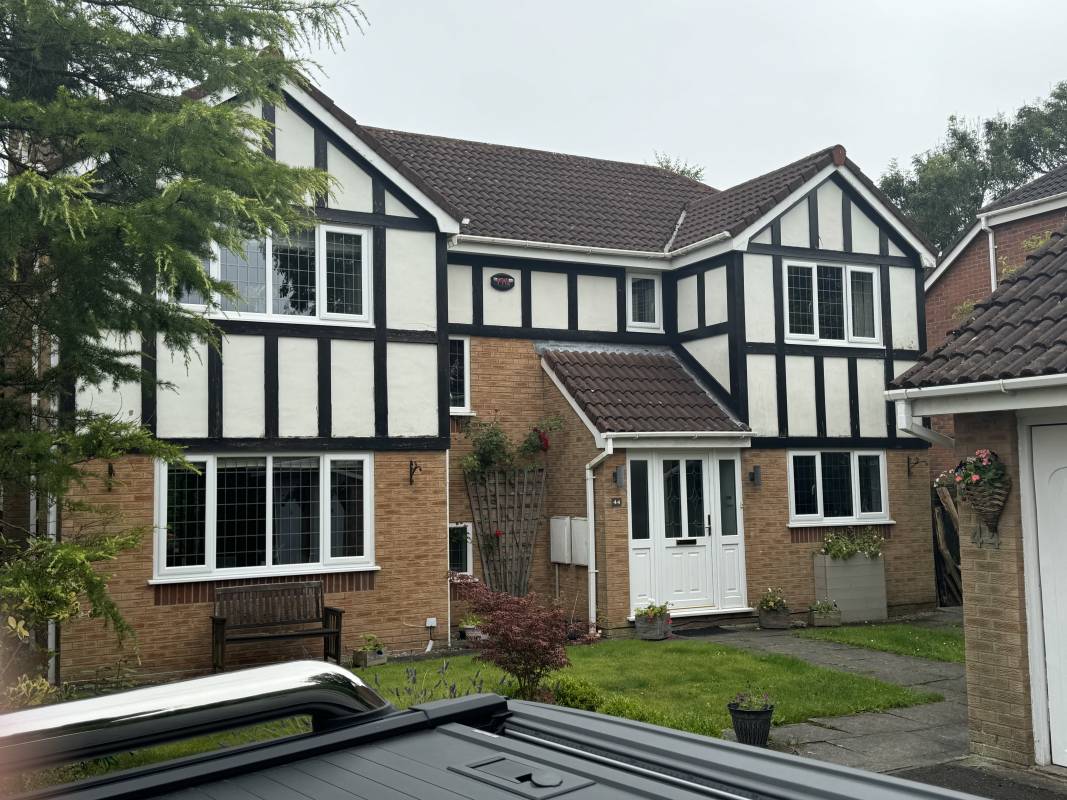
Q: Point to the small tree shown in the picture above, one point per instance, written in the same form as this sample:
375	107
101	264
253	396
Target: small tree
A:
526	637
679	166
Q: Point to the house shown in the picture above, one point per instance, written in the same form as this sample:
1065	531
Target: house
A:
1001	377
971	268
721	352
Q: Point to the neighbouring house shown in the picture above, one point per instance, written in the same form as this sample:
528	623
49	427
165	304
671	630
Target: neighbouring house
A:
719	360
1002	378
970	269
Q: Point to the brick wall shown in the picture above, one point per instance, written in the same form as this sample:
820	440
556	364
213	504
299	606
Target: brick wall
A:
967	279
776	556
994	608
173	637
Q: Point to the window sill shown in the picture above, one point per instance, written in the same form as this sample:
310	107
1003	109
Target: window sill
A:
231	575
838	523
833	342
634	327
459	412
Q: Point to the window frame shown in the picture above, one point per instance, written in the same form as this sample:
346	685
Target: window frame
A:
850	340
208	571
470	546
657	281
465	409
364	320
858	516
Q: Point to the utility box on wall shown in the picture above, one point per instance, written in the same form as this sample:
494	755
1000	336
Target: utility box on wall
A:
569	537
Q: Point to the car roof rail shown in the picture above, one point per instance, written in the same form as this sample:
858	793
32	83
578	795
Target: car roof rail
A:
80	729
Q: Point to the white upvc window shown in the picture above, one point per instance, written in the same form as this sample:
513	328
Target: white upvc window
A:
644	301
460	548
459	375
837	487
246	515
832	303
323	273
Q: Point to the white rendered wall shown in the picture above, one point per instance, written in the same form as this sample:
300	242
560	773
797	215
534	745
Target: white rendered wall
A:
864	233
181	412
899	368
831	235
394	208
294	139
713	354
355	192
242	386
687	303
762	396
501	308
298	387
796	232
548	300
715	296
460	301
412	375
870	375
597	310
121	401
800	390
759	298
411	284
902	298
352	388
835	378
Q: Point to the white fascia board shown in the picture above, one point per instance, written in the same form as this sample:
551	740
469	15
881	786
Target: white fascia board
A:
598	438
1043	391
953	254
926	256
1029	209
685	441
518	248
446	223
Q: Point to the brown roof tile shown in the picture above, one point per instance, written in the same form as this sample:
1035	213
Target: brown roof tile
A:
1019	332
638	392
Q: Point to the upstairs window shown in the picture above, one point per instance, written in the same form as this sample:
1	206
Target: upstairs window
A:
643	301
314	274
833	304
459	390
837	486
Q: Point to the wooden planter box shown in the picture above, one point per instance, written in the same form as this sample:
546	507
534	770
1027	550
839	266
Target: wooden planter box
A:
774	620
472	633
369	658
824	619
856	584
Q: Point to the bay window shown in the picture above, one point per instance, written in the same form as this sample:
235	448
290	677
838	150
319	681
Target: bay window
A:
319	273
832	304
837	486
236	516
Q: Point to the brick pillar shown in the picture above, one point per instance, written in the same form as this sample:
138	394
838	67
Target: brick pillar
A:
994	607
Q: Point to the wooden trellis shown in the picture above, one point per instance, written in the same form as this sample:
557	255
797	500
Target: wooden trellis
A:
508	507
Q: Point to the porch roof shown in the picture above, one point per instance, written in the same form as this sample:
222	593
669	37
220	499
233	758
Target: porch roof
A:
649	391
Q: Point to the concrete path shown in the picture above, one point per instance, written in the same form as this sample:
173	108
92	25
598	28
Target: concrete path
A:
879	742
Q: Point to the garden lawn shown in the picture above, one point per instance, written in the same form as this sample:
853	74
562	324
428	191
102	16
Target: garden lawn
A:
937	644
679	684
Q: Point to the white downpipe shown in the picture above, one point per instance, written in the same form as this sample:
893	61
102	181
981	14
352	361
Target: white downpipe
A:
590	513
906	422
992	253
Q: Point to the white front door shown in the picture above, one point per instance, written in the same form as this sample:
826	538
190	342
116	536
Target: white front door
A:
1049	443
686	542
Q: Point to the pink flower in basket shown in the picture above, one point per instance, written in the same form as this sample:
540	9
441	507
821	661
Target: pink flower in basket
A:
975	478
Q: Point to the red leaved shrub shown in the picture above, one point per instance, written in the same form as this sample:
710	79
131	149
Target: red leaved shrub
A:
526	636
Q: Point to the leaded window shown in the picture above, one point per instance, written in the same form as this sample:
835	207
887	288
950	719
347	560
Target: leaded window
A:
293	277
186	515
344	273
837	486
831	303
801	301
246	271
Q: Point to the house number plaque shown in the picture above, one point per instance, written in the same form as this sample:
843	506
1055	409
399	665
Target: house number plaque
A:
501	281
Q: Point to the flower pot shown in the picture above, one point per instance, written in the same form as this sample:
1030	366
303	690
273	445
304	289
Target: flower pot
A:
774	619
369	658
652	629
824	619
751	727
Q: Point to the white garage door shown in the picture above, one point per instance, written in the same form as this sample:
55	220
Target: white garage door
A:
1050	480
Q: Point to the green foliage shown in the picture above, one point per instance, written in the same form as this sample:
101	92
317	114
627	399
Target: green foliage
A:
844	543
573	692
963	311
653	611
371	643
470	621
824	606
772	600
678	166
937	644
943	188
752	699
493	449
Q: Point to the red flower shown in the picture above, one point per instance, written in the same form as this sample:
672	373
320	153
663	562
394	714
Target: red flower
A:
975	478
498	533
544	440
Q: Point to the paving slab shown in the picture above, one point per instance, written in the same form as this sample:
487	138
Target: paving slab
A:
985	779
864	724
944	713
805	733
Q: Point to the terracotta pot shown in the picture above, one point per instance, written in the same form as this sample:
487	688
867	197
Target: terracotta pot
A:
751	727
652	629
776	619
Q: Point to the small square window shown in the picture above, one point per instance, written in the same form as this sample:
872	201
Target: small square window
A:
643	301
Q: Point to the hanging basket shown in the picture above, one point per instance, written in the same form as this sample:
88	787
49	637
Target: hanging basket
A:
508	509
987	499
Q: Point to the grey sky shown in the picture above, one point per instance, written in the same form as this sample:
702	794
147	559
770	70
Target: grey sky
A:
739	87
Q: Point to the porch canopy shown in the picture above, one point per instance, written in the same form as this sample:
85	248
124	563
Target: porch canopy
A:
1010	354
641	397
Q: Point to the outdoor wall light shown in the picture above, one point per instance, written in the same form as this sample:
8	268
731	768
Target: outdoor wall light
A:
756	475
618	475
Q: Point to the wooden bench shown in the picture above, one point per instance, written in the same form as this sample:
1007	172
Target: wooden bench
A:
273	611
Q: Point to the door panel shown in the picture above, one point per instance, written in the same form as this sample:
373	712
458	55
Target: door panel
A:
1050	481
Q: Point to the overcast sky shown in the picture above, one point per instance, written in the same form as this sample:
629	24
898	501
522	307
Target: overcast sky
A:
740	87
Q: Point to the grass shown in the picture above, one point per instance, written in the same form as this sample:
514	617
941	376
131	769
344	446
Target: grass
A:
937	644
683	685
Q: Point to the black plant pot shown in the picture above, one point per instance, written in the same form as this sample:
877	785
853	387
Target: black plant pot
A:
751	727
